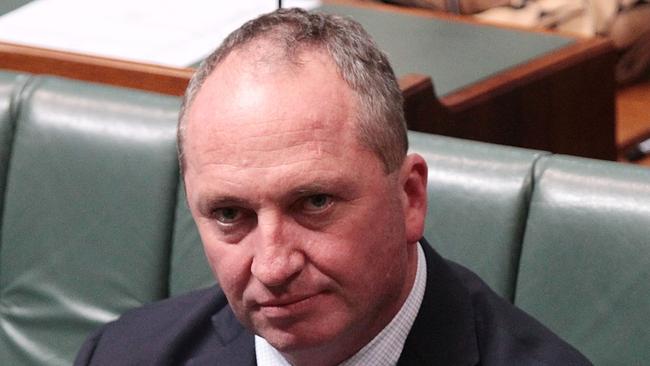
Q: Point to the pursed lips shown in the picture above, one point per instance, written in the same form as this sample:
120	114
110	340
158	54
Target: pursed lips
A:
286	306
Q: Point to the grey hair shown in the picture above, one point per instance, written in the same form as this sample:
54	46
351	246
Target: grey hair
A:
380	120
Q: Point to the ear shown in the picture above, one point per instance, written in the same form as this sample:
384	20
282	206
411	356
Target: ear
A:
413	184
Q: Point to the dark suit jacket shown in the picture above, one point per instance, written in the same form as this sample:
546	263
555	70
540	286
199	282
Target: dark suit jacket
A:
461	322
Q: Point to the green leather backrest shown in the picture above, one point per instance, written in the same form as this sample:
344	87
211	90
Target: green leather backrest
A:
88	215
189	267
11	86
585	264
478	201
94	222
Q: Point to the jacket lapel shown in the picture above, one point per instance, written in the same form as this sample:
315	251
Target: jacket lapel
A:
443	332
234	345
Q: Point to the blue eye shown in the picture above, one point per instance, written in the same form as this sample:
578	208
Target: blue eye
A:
317	203
228	215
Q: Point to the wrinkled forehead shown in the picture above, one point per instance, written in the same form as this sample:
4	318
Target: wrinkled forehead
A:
270	143
249	106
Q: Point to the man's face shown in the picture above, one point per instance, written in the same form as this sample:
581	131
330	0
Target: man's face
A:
302	227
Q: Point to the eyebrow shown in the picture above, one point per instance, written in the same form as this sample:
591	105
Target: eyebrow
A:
323	184
210	201
336	185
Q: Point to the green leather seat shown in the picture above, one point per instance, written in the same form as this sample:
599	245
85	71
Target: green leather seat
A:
189	268
478	200
585	264
10	87
94	222
88	215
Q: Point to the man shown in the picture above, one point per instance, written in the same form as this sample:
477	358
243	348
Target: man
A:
293	146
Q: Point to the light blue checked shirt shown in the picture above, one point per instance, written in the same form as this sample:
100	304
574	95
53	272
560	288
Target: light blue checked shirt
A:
386	347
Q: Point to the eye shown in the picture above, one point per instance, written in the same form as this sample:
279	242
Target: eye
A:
317	203
228	215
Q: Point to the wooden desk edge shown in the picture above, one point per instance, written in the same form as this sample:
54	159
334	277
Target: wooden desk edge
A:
36	60
161	79
417	89
525	73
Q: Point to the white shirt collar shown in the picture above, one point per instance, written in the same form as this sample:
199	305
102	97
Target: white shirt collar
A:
383	350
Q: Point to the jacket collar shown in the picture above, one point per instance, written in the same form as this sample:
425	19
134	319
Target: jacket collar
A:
443	332
233	344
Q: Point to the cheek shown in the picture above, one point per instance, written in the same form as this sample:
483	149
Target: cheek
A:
362	247
376	244
378	222
230	265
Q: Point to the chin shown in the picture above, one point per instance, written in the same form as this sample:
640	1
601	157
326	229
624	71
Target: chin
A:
292	340
288	342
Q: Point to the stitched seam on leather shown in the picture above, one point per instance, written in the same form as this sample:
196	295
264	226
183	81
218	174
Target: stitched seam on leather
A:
536	170
18	97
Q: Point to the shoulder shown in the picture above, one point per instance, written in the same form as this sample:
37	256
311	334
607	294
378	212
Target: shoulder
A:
507	335
160	330
173	313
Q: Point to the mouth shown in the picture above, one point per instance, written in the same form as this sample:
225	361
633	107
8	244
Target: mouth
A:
288	307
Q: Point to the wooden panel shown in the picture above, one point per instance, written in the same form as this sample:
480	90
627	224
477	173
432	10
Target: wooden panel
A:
633	119
422	109
161	79
524	74
568	108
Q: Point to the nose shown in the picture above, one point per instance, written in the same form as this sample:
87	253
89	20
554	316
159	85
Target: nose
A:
277	260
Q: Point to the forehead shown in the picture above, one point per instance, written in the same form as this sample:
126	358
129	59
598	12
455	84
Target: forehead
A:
249	107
